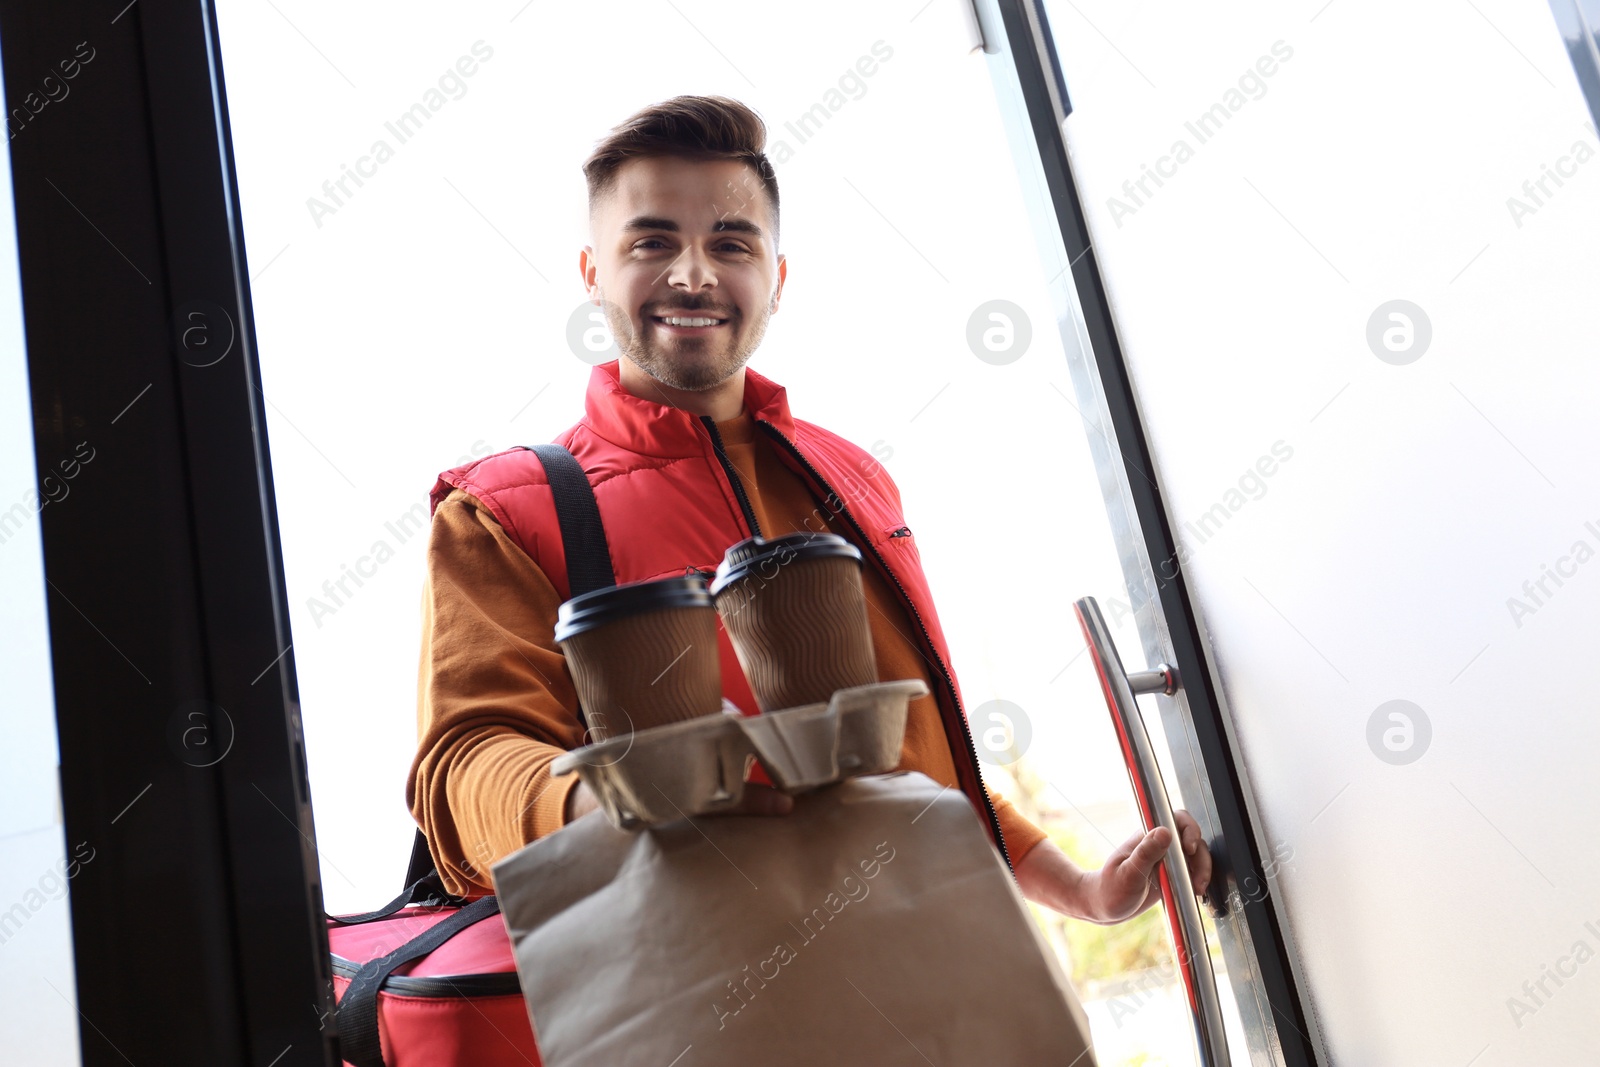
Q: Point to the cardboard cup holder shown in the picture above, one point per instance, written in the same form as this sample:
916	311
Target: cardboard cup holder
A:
798	747
697	767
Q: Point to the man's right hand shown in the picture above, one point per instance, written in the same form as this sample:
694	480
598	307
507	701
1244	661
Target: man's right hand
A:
757	800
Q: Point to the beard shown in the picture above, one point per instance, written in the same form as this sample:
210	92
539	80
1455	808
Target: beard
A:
690	364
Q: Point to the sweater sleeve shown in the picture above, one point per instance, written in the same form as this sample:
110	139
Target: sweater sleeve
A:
495	701
1018	831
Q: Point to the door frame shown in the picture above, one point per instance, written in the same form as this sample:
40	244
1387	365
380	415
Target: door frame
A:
198	934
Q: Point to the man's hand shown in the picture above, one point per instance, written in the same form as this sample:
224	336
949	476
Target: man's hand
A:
757	800
1128	884
1121	889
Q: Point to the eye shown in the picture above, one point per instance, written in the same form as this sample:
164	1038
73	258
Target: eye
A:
651	241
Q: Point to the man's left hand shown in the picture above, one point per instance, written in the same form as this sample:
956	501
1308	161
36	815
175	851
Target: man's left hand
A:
1125	886
1128	883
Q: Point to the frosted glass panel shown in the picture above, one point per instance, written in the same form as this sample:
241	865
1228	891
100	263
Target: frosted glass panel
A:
1351	250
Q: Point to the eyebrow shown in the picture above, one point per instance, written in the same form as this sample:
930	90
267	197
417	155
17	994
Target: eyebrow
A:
655	222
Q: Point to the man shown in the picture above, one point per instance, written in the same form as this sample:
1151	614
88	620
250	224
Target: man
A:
689	451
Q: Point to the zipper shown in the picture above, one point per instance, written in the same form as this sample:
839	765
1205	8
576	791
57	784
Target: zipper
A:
493	984
902	531
944	671
733	476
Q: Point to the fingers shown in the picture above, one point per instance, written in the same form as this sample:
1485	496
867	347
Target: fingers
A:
764	800
1120	854
1196	855
1141	854
1200	871
1199	861
580	802
1188	831
1148	852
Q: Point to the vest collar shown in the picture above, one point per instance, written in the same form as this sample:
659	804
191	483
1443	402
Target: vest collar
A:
654	429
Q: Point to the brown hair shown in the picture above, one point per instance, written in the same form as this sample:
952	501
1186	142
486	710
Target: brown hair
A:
693	127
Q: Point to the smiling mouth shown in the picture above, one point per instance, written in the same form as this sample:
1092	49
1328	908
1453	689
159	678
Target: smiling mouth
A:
689	324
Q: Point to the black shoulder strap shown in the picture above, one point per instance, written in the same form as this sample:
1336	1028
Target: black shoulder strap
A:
418	868
357	1014
583	539
423	888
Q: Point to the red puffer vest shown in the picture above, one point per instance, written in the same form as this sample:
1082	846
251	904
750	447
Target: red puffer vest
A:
671	503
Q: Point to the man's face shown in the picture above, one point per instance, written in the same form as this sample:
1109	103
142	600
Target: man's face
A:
677	243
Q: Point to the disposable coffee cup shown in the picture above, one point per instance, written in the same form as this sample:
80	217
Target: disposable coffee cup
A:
796	614
642	654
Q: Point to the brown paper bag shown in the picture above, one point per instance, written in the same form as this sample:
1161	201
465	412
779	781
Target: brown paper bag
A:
875	924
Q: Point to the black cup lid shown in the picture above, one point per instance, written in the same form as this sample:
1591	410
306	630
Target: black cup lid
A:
584	613
760	556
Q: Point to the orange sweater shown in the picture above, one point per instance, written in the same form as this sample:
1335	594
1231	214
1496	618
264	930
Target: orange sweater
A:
496	703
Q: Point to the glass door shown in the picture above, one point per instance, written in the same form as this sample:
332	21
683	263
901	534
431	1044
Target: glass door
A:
1324	276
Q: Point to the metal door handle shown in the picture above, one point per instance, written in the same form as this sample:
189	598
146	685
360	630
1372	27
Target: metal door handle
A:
1177	891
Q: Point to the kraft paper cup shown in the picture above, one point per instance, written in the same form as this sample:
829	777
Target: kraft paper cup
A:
796	614
643	654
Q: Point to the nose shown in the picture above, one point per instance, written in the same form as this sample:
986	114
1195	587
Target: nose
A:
691	270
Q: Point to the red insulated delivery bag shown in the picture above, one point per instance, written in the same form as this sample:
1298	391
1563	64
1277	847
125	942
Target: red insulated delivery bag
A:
455	1003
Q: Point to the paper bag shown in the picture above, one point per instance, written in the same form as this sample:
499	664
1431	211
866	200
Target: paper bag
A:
874	924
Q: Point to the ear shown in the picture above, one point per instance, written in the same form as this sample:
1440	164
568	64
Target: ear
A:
589	269
783	273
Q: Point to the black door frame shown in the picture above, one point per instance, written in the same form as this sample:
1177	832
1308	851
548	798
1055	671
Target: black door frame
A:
197	930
